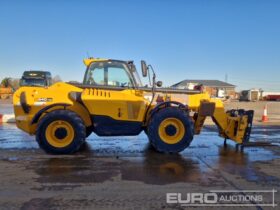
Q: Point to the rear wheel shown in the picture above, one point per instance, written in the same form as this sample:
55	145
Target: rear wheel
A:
61	132
170	130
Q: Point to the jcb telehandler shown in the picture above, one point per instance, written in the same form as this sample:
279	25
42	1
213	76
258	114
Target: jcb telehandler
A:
112	102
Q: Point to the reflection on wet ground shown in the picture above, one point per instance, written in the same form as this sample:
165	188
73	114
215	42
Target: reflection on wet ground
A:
132	159
152	168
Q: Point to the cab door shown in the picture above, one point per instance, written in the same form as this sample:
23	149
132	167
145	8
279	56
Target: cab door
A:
113	98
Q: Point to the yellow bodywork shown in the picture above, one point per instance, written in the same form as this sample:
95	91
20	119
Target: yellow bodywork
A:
88	61
39	97
230	127
126	105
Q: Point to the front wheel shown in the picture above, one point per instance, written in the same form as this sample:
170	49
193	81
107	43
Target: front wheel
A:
61	132
170	130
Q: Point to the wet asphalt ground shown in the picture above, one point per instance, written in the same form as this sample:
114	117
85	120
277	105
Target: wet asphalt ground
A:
126	173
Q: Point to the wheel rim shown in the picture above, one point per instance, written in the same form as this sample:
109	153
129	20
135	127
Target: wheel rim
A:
60	133
171	130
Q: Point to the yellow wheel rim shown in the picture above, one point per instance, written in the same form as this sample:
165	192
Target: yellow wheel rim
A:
60	133
171	130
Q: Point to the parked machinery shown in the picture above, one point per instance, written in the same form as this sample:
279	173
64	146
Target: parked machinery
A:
112	102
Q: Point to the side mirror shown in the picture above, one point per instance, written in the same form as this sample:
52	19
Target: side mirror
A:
144	68
159	83
20	82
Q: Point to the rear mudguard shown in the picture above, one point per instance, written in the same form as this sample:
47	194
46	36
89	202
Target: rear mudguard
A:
32	103
45	109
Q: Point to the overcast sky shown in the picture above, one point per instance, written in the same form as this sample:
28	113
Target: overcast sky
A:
181	39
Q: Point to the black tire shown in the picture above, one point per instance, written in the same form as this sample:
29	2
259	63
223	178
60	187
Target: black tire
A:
146	130
158	118
70	117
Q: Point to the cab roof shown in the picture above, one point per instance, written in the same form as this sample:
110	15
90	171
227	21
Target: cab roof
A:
88	61
36	74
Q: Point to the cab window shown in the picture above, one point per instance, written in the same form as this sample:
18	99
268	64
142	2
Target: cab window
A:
117	76
97	76
109	74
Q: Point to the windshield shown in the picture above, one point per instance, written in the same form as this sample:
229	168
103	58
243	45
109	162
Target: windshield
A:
109	73
33	82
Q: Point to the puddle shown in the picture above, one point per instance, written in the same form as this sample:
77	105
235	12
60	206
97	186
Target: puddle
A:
152	168
74	170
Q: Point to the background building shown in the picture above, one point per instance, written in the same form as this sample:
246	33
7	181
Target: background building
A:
215	88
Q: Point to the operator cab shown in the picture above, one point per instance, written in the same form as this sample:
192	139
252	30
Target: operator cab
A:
112	73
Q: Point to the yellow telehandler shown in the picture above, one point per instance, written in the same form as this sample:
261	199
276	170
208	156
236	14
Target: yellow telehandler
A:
111	101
